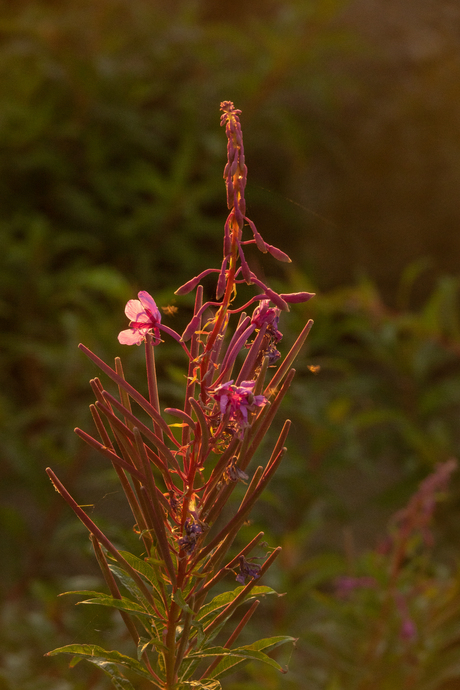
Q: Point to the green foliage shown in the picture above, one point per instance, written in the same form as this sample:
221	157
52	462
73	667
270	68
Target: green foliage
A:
104	659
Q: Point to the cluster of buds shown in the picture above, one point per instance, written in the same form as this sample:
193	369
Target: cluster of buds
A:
179	477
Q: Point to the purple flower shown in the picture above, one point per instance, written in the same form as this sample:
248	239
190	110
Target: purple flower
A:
247	570
238	400
408	629
264	313
269	315
144	316
192	530
272	353
347	584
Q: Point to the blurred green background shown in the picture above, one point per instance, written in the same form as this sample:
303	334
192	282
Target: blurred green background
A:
111	162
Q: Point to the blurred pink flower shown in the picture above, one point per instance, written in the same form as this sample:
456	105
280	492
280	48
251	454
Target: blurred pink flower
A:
144	316
347	584
408	629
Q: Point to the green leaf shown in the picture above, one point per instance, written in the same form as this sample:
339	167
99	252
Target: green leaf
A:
222	600
143	567
237	657
117	678
123	604
209	612
144	643
84	593
128	582
180	601
101	657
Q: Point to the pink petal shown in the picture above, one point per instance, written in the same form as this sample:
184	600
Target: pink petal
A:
130	337
223	403
135	311
244	413
248	385
149	303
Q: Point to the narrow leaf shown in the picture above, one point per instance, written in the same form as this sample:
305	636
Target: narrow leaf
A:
222	600
98	655
118	679
228	664
123	604
200	685
142	567
244	653
178	597
132	587
145	643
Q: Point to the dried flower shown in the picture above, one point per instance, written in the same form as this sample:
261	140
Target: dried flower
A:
247	570
232	472
192	530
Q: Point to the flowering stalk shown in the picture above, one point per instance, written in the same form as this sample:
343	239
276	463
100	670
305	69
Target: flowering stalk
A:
178	477
391	595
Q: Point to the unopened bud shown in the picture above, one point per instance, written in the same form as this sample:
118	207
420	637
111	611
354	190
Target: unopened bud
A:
278	254
297	297
191	328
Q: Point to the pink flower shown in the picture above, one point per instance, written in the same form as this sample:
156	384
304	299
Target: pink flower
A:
269	315
144	316
408	629
346	584
238	400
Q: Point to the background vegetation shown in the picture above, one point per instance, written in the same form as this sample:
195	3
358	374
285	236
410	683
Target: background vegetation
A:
111	181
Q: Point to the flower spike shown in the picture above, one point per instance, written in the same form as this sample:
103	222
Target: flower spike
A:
177	482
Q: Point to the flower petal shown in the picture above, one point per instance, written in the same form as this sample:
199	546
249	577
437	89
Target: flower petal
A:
149	304
130	337
223	403
135	311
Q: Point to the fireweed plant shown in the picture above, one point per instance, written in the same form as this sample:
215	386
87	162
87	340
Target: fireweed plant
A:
178	477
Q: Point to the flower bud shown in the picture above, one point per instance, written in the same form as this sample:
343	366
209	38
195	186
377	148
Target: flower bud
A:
297	297
278	254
